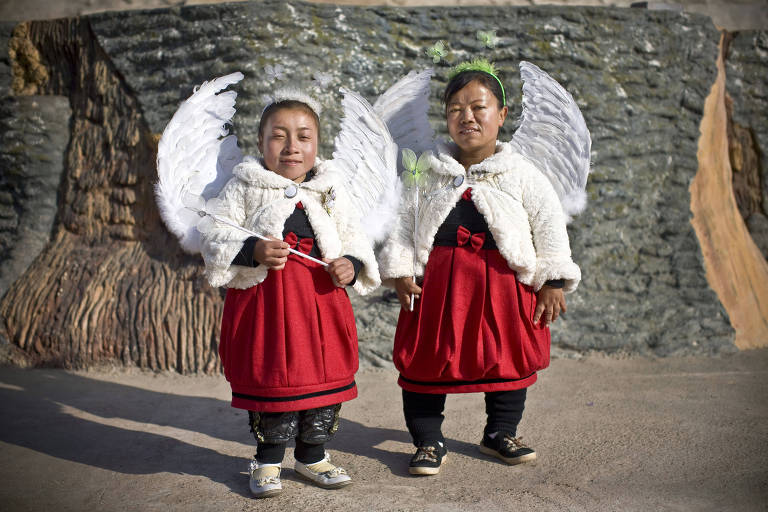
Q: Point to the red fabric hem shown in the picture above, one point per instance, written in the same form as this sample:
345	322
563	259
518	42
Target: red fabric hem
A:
302	404
449	388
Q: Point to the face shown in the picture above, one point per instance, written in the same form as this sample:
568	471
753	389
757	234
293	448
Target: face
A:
474	119
289	143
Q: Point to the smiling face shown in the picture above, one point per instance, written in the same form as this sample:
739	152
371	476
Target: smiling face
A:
474	119
288	142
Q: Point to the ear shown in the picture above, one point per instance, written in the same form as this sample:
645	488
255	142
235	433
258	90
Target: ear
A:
260	143
503	115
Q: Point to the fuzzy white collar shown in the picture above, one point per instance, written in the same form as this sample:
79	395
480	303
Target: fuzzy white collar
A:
445	162
252	170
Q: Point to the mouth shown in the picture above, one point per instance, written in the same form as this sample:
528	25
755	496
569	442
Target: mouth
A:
291	162
468	131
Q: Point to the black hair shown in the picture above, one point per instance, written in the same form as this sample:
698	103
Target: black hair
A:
272	108
464	78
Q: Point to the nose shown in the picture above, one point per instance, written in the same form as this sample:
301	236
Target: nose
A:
467	115
290	146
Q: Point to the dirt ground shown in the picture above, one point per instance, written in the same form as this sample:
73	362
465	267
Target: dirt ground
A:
611	434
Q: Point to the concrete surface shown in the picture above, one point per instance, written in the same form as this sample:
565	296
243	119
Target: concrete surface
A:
611	434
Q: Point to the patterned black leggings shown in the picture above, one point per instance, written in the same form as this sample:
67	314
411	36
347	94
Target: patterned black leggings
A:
311	428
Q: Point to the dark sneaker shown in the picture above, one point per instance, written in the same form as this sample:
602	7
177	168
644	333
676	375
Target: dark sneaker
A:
507	448
428	459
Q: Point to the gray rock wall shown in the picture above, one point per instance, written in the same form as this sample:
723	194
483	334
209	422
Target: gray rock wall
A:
639	76
34	132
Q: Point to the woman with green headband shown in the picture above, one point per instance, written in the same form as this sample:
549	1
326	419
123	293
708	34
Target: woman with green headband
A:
485	239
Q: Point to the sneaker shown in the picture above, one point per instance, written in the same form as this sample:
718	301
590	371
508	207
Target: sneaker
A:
265	479
507	448
323	473
428	459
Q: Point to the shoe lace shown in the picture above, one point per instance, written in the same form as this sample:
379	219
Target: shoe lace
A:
512	443
428	453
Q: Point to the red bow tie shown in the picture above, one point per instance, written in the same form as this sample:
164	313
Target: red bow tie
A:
303	246
464	237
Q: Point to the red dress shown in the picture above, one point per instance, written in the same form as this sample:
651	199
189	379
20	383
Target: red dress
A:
290	343
472	329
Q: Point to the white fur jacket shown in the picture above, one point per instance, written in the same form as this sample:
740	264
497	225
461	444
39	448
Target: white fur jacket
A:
256	198
521	208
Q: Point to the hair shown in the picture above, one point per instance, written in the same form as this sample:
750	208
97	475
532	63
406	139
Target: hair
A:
464	78
273	108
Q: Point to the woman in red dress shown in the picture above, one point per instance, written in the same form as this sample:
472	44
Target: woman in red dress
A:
288	339
487	241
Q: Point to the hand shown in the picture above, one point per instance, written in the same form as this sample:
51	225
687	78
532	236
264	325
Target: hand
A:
273	253
550	302
342	271
405	286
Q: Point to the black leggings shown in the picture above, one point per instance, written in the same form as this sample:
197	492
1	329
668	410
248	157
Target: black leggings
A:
267	453
424	413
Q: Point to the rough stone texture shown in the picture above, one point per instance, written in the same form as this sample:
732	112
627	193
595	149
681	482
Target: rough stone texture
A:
640	77
111	284
644	288
747	85
727	14
34	132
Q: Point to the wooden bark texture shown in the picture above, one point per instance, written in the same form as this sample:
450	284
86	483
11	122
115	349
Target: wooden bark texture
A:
112	285
735	268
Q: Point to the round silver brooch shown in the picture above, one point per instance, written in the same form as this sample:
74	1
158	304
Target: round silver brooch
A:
291	191
458	180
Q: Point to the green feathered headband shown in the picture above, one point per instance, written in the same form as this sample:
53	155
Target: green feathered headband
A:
482	65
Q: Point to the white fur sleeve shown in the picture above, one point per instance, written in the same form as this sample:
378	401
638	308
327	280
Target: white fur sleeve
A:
550	237
396	255
354	242
221	243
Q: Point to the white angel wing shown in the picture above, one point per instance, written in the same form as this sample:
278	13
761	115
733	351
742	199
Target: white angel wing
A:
404	108
195	156
367	155
554	136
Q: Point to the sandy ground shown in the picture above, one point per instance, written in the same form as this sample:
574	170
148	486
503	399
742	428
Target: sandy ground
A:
728	14
611	434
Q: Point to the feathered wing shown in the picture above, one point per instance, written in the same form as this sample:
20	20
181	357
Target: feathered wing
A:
554	136
195	157
367	155
404	108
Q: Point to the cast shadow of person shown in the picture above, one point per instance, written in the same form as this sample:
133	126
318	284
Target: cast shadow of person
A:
132	430
371	442
123	428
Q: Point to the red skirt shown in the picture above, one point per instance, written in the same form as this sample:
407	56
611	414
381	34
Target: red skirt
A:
289	343
472	329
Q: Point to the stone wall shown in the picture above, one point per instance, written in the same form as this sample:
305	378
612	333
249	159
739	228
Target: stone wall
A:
640	77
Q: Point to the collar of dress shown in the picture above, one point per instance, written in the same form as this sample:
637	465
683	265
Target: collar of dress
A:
445	162
252	171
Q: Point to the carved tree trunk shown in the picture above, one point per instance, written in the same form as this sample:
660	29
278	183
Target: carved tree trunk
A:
735	268
112	284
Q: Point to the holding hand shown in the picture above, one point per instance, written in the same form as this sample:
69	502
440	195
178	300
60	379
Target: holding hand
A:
405	286
342	271
272	253
550	302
